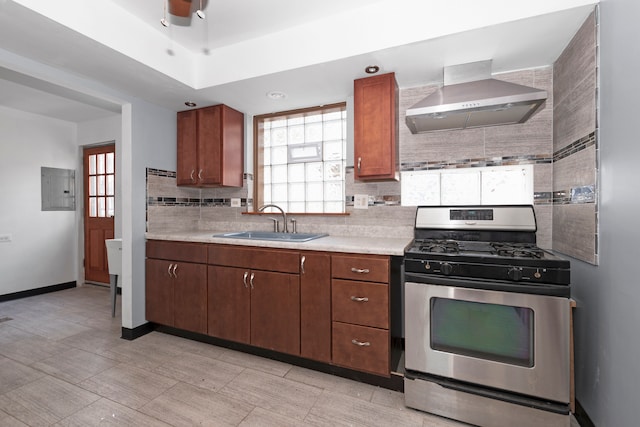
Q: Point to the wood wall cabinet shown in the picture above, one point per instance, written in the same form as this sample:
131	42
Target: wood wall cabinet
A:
176	285
360	313
210	147
254	297
376	128
315	306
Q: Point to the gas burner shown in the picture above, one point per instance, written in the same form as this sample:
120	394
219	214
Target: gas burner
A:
438	246
518	250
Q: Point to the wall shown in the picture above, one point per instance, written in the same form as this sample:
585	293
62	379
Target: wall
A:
607	319
43	251
575	146
528	143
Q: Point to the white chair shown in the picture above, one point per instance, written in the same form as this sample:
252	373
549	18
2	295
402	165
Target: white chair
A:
114	260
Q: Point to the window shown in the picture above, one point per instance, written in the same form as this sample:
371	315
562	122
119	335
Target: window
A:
300	159
101	191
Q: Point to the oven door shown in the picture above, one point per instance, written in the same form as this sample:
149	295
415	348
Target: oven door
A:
504	340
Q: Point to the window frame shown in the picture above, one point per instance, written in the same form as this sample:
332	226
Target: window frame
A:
258	153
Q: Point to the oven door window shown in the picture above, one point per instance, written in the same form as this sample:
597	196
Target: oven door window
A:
495	332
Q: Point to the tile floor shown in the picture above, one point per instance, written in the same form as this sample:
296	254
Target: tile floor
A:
62	363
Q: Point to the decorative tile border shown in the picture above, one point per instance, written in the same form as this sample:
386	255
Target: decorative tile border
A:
476	163
575	147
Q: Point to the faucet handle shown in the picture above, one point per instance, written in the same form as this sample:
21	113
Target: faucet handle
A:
293	225
276	224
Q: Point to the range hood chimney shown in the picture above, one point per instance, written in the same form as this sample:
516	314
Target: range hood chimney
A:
471	98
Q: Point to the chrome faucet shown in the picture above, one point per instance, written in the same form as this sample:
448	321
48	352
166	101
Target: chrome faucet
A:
284	215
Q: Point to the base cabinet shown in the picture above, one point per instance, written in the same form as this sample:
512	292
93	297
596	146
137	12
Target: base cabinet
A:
254	306
327	307
176	290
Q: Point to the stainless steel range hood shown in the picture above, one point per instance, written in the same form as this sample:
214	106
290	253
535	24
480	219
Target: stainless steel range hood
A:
471	98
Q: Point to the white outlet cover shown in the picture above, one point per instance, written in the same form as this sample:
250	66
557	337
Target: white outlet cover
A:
235	202
361	201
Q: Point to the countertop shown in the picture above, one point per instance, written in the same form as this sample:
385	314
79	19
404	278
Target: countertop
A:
360	245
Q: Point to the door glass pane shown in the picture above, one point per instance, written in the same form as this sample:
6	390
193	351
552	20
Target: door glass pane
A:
100	163
101	185
110	185
101	207
93	186
93	207
111	206
92	164
487	331
111	163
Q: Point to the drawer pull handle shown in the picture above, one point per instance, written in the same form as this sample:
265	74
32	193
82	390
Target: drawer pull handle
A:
175	267
302	260
359	270
251	279
359	299
360	343
169	270
244	279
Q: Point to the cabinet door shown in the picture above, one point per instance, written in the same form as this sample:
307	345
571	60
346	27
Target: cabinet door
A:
228	297
210	145
375	128
315	306
187	156
275	311
190	297
159	292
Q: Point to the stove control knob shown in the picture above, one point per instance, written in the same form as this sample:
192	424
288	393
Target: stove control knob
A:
515	274
446	268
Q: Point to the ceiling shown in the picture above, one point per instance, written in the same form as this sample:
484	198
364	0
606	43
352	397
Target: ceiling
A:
310	50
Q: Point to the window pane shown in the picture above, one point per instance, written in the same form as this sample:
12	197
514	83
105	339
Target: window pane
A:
100	163
278	136
111	163
314	191
313	132
92	164
297	207
333	171
93	186
332	130
296	134
296	192
314	206
314	171
296	172
333	191
279	174
332	150
267	175
333	207
279	155
279	193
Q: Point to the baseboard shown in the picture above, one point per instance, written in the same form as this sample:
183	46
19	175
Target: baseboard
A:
137	332
37	291
582	417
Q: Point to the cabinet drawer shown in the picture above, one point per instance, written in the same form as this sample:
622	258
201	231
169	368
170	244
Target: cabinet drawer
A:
361	348
367	268
177	251
255	259
362	303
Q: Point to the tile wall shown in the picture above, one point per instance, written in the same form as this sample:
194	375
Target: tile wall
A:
575	147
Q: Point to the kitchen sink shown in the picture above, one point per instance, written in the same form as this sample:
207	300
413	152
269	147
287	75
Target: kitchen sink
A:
271	235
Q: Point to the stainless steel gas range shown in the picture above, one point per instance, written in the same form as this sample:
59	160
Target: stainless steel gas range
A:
487	319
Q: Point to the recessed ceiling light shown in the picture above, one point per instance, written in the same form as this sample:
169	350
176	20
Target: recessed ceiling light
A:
190	104
372	69
275	94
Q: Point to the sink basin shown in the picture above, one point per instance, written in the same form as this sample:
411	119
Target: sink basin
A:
270	235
